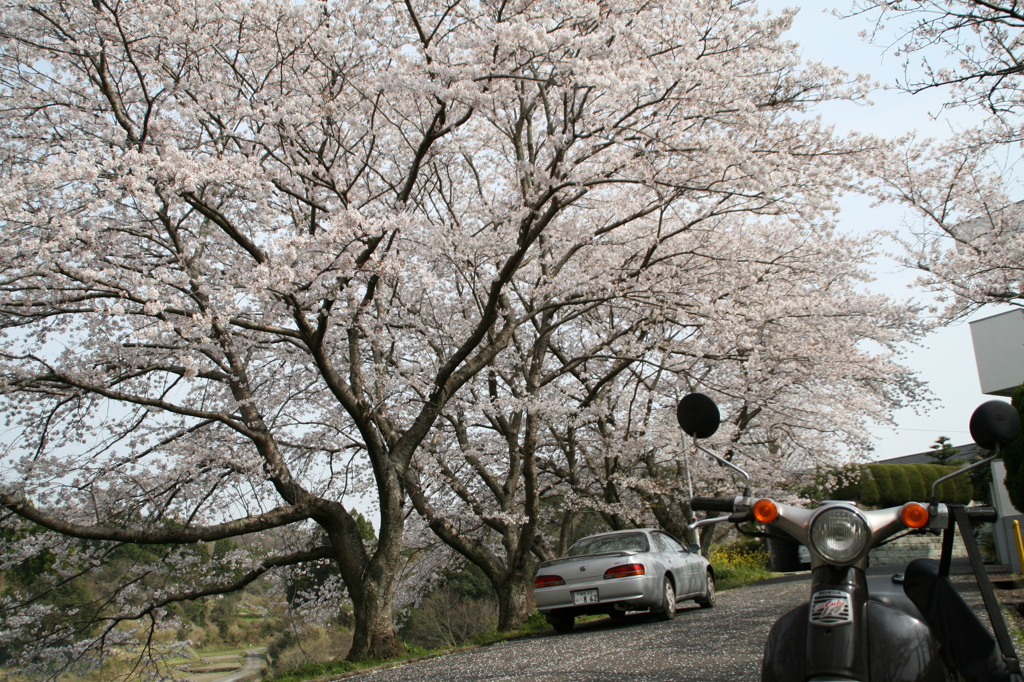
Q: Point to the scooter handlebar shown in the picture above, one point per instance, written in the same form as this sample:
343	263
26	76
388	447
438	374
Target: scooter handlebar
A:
713	504
981	514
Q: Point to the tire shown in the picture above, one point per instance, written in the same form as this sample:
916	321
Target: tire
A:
668	601
562	623
710	596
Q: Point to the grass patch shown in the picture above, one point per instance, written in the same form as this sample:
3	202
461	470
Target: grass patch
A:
534	625
1015	626
311	671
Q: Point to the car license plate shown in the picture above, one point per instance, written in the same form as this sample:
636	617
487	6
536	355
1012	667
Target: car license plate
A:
585	597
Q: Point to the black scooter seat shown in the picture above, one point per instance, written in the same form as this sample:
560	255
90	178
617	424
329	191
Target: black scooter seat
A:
883	589
969	643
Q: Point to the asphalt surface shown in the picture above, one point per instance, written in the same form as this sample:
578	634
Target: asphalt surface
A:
251	670
723	644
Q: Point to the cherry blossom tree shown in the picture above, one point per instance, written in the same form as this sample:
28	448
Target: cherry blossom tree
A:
476	479
970	48
251	252
579	414
968	243
798	355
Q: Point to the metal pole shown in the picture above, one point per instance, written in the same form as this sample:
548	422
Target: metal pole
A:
686	461
1020	545
689	483
961	470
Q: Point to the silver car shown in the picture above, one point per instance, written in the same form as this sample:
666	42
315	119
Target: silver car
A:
627	570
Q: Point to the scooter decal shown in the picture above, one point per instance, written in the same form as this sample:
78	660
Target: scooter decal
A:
830	607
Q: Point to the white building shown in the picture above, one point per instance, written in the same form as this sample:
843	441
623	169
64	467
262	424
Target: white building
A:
999	353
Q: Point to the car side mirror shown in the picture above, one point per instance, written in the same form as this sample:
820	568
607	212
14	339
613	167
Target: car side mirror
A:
693	548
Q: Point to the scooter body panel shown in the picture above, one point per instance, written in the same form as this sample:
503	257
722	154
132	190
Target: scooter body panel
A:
900	648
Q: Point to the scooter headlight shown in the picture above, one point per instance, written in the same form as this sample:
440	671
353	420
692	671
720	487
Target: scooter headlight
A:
840	535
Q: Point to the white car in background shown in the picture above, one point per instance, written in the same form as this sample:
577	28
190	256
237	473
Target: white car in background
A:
614	573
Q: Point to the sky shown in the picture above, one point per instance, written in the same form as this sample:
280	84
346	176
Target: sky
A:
946	359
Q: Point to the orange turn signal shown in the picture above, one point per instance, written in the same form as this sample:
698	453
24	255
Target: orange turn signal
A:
765	511
914	515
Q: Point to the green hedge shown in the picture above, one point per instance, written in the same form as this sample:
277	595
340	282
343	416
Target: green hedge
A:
900	491
889	485
1013	457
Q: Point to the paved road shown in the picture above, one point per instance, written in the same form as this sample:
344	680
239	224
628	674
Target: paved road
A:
723	644
251	670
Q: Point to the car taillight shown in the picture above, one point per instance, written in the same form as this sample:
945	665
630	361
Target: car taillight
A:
547	581
624	570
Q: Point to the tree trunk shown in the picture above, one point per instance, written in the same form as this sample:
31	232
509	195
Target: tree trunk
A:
673	515
369	578
374	635
515	600
709	535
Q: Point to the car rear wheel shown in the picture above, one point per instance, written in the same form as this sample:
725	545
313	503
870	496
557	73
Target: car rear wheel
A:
562	623
668	601
708	600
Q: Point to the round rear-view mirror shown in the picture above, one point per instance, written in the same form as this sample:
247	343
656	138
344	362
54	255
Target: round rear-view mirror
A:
994	423
698	415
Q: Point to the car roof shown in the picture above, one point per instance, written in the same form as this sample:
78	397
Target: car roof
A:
623	532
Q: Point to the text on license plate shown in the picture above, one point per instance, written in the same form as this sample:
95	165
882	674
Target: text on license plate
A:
585	597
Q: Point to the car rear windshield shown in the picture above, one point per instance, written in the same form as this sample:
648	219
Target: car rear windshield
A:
627	542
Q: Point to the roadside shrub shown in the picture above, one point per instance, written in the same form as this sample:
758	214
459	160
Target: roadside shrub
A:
848	480
309	646
234	633
981	480
950	491
900	485
964	488
445	618
1013	457
869	494
882	479
196	634
739	563
929	474
915	482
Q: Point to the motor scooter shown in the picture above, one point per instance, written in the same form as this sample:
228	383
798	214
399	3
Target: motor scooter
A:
910	627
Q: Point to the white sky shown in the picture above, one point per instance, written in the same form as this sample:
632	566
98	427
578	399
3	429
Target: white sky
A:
946	361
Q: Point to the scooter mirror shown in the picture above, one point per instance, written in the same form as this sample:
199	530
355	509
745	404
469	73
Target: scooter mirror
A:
698	415
995	423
